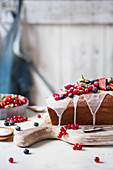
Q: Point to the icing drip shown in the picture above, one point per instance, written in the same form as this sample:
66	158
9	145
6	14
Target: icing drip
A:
75	106
94	102
58	106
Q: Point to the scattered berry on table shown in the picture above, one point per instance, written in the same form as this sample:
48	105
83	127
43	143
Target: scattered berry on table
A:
86	90
36	124
39	116
26	151
94	90
18	128
11	160
12	122
77	147
6	123
96	159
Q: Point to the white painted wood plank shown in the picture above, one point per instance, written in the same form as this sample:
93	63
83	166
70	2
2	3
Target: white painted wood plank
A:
68	12
82	52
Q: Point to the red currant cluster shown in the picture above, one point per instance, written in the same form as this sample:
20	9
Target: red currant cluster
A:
16	119
77	147
10	101
63	129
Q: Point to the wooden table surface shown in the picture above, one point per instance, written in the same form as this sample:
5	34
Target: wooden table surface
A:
52	154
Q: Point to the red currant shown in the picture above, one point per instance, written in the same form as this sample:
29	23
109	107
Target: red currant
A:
39	116
79	147
96	83
68	86
56	98
86	90
66	126
73	126
96	159
90	87
76	126
15	117
11	160
25	118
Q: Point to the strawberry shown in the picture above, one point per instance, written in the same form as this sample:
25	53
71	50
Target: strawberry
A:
60	92
102	83
111	85
79	83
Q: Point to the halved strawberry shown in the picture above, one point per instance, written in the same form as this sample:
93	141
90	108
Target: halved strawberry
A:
62	92
111	85
102	83
79	83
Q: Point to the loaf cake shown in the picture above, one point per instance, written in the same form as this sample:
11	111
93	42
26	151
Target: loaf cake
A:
88	102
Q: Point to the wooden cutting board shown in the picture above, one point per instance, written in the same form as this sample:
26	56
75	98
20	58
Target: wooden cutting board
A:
30	136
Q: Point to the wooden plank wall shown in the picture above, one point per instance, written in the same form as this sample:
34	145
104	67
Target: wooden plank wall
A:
66	39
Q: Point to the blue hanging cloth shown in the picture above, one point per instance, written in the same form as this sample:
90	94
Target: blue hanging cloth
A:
15	76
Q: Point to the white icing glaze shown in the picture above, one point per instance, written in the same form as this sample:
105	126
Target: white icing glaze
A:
58	106
75	100
93	100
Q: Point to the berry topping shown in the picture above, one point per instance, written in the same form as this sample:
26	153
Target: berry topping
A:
36	123
92	81
109	80
61	96
87	81
26	151
90	87
108	87
111	86
96	159
18	128
86	90
67	87
11	160
96	83
94	90
56	98
102	83
6	123
70	95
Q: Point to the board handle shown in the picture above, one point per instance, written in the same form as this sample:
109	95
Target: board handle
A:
30	136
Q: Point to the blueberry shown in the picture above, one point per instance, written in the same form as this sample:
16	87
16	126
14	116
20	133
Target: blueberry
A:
87	81
36	123
108	87
18	128
94	90
92	81
70	95
12	122
26	151
61	96
6	123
